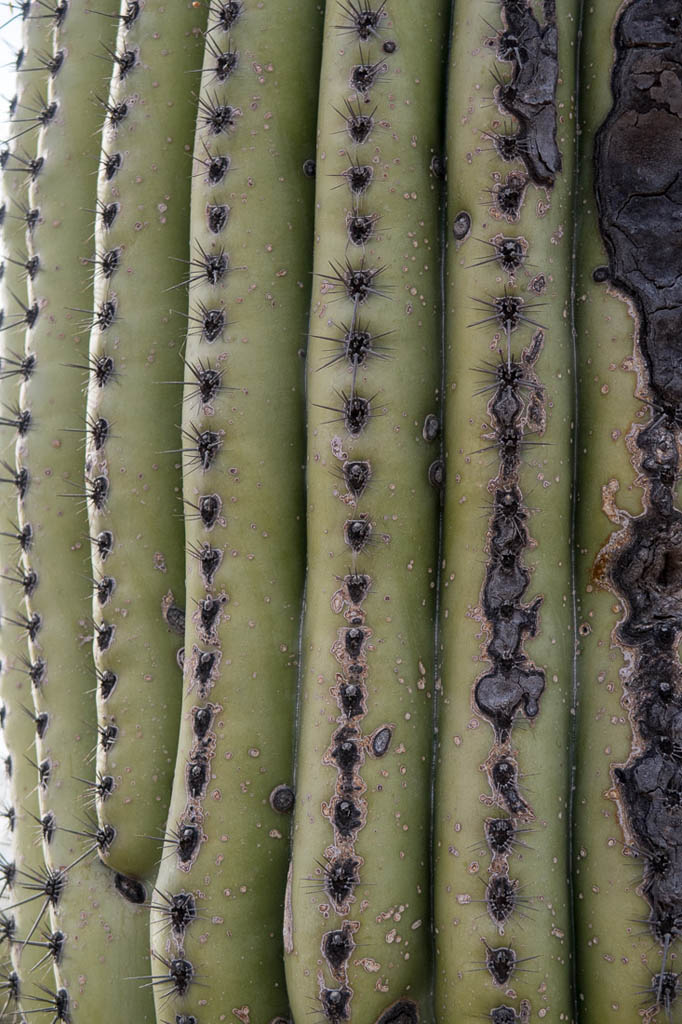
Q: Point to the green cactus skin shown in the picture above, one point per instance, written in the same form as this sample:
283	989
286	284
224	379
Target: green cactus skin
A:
235	755
15	683
134	415
471	920
72	893
619	960
357	933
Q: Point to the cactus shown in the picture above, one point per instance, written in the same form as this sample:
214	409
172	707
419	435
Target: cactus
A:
171	686
357	922
501	838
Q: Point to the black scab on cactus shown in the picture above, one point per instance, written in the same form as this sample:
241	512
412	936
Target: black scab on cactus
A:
351	699
282	799
202	719
197	774
381	740
335	1004
503	1015
357	534
402	1012
204	666
216	217
131	889
210	507
505	782
337	946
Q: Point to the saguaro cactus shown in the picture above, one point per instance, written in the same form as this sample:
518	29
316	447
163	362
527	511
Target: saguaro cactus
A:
173	684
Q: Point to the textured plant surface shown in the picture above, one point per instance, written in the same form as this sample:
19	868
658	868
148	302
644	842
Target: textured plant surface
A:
357	923
503	942
314	612
628	525
131	458
22	807
73	898
243	439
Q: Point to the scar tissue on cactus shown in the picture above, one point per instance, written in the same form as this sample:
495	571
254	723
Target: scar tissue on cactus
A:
340	558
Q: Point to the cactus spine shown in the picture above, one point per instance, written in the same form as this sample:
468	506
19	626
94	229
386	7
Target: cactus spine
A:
357	924
132	459
502	902
243	424
629	785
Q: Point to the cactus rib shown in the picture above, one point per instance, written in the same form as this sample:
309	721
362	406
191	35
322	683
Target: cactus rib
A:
357	924
500	888
243	418
133	441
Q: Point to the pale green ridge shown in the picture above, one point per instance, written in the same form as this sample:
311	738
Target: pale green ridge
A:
15	684
249	328
104	937
386	924
149	124
539	926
